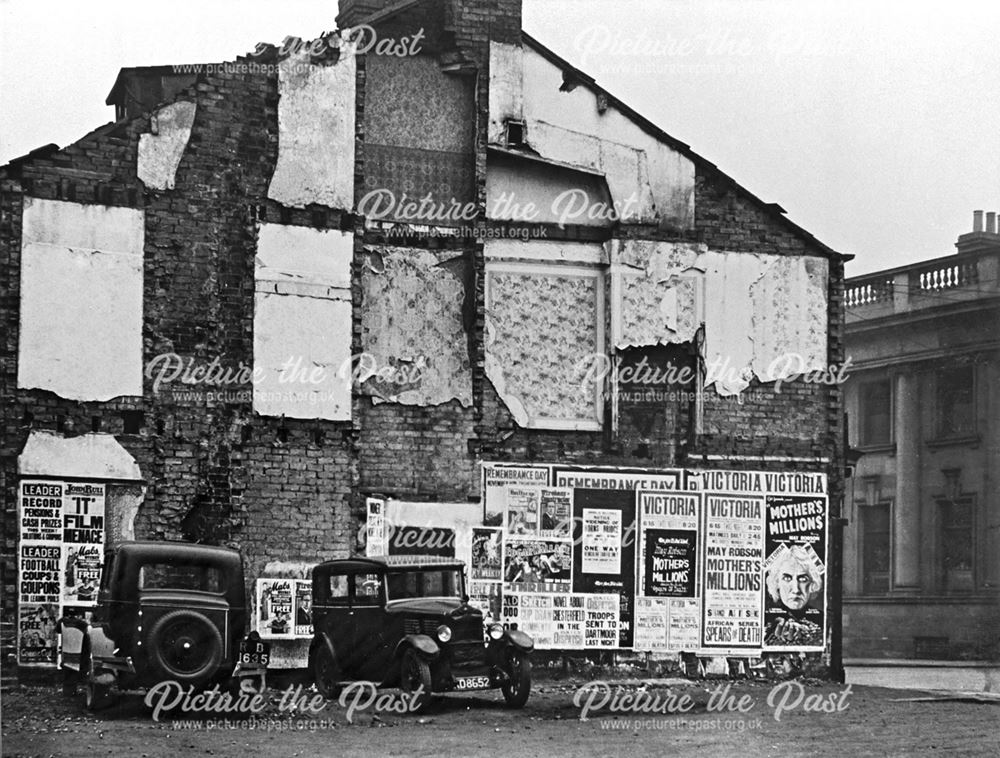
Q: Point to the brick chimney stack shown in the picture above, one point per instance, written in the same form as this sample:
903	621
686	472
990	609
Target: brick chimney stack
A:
469	21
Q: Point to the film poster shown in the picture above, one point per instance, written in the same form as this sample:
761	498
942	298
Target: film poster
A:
734	548
795	572
83	538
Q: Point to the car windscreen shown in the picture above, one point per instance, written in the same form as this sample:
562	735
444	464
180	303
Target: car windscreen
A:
181	576
429	583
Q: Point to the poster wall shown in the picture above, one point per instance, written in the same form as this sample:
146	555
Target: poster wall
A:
679	560
60	552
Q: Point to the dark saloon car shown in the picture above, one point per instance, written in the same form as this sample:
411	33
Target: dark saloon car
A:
406	621
165	611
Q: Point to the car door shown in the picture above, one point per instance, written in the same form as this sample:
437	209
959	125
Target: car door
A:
369	622
332	617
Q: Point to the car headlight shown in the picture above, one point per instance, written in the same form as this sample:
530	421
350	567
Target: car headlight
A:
444	632
495	631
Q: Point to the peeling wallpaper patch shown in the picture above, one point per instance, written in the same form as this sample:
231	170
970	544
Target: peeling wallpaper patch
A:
89	456
302	323
656	286
790	317
160	154
764	315
315	132
541	326
81	300
412	319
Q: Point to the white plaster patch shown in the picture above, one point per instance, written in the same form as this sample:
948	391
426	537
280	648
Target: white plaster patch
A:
315	132
304	255
89	456
506	87
302	350
636	164
302	323
81	300
288	569
122	507
160	154
412	321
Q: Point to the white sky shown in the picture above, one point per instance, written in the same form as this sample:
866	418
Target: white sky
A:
875	125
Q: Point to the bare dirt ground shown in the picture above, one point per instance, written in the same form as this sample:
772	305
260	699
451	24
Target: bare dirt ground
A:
40	721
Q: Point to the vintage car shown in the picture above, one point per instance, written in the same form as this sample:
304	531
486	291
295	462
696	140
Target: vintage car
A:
165	611
406	621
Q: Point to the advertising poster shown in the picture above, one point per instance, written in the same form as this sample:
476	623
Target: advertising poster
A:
556	508
275	607
60	554
734	557
375	528
487	597
604	556
487	554
683	625
602	541
497	477
421	540
303	608
522	511
82	574
537	565
669	562
39	575
41	511
795	573
650	624
603	622
36	634
83	538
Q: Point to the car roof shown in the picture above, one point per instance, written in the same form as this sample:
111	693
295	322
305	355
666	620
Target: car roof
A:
180	551
391	563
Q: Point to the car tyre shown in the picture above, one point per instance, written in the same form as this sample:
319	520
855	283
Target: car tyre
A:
185	646
96	696
414	676
517	688
325	672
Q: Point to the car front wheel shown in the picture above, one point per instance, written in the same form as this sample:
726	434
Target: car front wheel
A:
96	696
415	680
518	685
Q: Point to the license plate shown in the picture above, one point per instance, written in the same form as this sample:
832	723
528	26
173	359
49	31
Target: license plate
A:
472	683
255	654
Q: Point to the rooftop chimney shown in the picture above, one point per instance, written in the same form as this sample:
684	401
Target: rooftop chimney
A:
983	237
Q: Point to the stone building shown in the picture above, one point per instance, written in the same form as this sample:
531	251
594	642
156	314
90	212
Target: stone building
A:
470	225
922	552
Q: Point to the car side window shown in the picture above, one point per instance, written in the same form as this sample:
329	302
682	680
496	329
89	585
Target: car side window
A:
339	590
367	589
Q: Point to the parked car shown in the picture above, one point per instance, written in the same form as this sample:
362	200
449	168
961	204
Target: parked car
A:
165	610
406	621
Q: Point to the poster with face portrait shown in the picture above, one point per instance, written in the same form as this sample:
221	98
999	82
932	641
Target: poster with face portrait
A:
795	573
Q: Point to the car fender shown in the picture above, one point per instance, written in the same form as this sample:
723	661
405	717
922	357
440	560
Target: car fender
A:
72	632
520	640
100	644
423	644
321	640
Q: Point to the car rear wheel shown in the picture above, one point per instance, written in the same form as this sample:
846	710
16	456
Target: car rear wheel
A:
518	685
325	671
186	647
415	680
